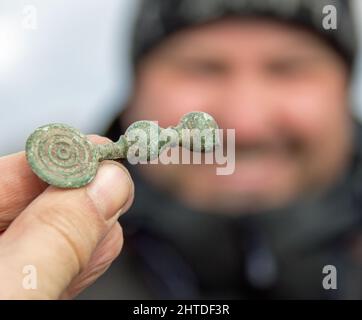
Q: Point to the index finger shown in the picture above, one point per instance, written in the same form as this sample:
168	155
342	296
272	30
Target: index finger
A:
19	185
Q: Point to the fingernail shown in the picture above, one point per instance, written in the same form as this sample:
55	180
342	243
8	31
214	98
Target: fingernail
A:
110	189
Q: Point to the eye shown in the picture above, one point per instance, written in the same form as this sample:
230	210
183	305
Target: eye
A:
285	68
205	68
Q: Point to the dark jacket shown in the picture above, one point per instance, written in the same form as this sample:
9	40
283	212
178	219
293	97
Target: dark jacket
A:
173	252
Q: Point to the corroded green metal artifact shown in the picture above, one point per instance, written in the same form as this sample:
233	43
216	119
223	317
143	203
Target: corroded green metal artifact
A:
62	156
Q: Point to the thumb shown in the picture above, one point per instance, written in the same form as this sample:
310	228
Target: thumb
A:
58	232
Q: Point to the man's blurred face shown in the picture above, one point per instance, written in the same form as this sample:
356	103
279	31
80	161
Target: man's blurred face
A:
282	89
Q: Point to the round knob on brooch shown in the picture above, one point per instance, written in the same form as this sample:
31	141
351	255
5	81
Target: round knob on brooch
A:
202	134
143	140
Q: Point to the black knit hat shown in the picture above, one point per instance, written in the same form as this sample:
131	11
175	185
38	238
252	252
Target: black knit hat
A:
159	18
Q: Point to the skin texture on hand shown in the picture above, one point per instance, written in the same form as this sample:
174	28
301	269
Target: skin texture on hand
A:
70	237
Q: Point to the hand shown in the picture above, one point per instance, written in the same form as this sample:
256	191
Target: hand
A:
64	238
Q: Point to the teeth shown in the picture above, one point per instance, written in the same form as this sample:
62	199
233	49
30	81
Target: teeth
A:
257	153
250	156
253	153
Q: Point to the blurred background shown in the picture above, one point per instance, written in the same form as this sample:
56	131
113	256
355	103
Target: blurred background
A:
61	61
67	61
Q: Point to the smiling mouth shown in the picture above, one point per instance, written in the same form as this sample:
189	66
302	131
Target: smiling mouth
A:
288	149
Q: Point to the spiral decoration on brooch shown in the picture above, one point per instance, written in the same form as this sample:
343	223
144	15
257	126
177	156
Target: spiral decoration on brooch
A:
61	156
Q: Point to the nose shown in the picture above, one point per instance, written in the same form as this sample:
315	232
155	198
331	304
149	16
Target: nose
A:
246	105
